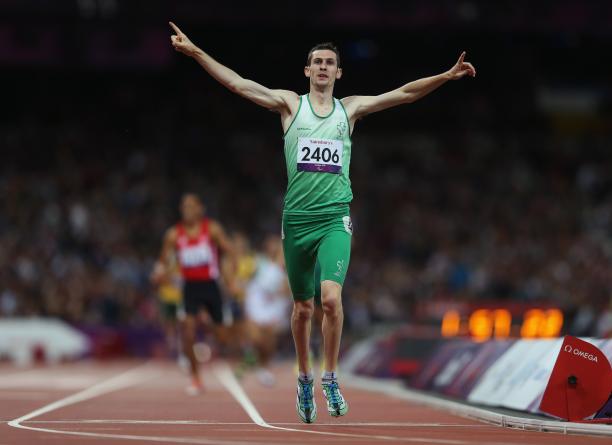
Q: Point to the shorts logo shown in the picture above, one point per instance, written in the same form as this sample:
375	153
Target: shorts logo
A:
340	264
348	224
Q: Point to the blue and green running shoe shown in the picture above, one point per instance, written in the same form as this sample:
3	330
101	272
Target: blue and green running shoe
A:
305	404
336	405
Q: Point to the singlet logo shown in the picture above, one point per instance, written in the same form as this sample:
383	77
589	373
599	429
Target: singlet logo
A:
348	224
341	127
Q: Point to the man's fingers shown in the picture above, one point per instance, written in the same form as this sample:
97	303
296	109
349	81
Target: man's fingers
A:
461	57
176	28
175	41
471	68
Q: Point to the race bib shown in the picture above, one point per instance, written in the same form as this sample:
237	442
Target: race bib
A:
319	155
194	256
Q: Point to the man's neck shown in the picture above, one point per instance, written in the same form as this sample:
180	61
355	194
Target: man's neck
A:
321	96
192	225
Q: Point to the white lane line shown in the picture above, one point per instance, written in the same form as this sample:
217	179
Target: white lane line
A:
212	422
228	380
123	380
129	378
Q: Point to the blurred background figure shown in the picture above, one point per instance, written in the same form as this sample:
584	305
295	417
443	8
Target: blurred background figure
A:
169	291
246	266
195	244
267	306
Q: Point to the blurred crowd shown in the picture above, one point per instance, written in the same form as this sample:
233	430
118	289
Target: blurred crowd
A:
474	194
483	222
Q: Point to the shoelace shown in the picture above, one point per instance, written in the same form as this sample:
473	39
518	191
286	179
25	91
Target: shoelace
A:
306	396
333	392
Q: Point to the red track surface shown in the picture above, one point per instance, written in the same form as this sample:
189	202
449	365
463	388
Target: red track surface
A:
148	405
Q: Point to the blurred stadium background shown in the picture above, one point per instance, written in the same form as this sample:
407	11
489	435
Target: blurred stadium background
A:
490	198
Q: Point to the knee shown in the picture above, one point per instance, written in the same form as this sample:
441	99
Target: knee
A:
303	310
331	303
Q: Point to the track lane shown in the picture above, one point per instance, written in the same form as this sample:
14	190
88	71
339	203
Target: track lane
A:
157	410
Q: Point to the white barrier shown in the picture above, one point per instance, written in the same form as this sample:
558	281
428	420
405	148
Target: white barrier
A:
519	377
22	338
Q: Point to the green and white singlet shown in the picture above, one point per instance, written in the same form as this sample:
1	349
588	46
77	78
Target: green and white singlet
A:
316	221
318	157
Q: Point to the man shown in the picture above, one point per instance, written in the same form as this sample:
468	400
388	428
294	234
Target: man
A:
316	222
195	242
170	297
267	305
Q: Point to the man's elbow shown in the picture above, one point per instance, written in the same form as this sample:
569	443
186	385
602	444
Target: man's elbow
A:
236	86
409	98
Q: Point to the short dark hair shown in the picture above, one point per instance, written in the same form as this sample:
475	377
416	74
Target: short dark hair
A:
193	195
327	45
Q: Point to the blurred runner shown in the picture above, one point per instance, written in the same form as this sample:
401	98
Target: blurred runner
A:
246	265
267	306
195	242
170	297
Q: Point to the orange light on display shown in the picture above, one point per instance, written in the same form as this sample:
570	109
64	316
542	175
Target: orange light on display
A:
451	324
554	323
503	323
542	324
532	320
483	324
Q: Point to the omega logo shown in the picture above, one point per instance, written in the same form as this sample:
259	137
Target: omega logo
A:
579	353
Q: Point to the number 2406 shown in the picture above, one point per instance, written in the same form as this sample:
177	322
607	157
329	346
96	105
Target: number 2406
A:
319	154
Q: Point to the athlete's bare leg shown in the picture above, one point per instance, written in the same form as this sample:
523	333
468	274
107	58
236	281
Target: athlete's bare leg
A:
333	318
189	334
300	327
170	329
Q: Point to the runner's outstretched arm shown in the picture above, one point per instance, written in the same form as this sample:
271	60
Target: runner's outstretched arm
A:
360	106
276	100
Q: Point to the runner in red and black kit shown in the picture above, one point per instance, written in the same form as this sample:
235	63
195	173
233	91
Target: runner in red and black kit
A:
195	242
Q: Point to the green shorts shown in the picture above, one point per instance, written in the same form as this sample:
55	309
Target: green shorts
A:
308	239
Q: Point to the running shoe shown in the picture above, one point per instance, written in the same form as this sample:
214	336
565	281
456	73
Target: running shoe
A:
336	405
195	388
305	404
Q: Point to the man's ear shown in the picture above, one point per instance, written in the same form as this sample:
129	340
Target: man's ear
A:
307	71
339	73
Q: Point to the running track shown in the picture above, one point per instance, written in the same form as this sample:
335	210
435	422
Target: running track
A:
130	403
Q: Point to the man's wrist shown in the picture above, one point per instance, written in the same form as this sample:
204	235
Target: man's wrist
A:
197	52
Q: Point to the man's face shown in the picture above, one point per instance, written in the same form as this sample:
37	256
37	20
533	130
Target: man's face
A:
323	69
191	209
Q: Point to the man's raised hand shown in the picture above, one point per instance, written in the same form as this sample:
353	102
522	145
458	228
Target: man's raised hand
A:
462	68
181	42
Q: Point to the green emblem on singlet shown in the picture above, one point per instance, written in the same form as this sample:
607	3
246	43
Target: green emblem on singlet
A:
318	156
